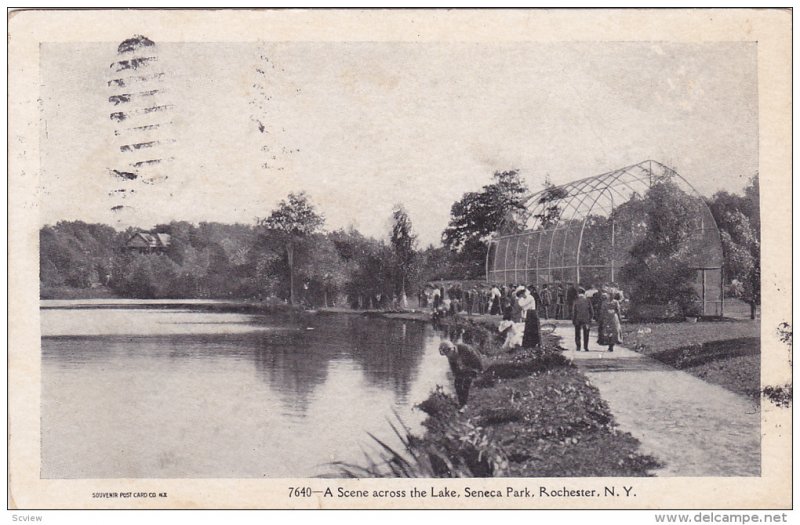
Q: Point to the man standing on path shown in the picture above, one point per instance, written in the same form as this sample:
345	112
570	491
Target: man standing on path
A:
466	365
582	314
572	294
545	301
559	299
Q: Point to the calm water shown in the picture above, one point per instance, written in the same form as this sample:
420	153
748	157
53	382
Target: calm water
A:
156	391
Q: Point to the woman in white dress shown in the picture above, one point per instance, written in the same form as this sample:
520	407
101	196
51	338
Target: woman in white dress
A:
512	330
531	337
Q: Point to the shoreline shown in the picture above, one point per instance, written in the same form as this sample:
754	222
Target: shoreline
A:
532	413
536	412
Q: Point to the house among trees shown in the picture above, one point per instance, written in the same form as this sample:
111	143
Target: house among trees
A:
144	242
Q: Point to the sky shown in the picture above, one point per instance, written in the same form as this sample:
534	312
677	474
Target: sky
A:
364	126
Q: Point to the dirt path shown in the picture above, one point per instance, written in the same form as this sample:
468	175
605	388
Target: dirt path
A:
694	428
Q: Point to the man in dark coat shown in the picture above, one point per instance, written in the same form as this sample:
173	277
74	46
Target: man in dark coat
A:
582	314
559	300
545	297
465	364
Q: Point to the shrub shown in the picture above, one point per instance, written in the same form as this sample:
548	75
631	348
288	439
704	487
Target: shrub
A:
522	363
657	271
453	448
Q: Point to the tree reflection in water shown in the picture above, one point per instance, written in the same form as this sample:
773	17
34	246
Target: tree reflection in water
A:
294	363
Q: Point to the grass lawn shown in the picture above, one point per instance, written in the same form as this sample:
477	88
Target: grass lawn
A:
726	353
651	338
739	309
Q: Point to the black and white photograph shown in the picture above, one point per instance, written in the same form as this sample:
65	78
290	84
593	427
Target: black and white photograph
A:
255	256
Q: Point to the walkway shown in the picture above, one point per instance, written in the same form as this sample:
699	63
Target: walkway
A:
694	428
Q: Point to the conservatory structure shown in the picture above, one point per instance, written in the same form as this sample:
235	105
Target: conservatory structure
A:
582	233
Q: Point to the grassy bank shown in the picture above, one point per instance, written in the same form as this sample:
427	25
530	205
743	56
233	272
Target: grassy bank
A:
531	414
726	353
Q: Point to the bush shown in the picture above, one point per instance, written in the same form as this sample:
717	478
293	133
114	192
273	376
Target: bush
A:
658	272
693	309
651	312
478	335
452	448
521	363
456	446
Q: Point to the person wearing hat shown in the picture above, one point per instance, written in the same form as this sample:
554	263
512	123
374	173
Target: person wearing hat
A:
545	297
494	300
559	298
582	314
572	295
531	336
466	365
517	313
511	329
601	331
611	329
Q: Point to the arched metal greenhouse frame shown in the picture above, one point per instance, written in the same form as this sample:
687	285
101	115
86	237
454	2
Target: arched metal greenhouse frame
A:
549	241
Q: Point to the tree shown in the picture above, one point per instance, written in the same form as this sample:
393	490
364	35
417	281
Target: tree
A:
369	265
672	217
657	270
742	260
321	269
76	254
404	242
435	263
145	276
477	215
550	197
293	220
738	219
469	262
753	211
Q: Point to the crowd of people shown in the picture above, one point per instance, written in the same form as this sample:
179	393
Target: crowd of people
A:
522	307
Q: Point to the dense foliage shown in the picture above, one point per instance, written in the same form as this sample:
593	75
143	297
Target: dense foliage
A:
292	222
404	243
658	271
478	215
531	413
213	260
77	254
738	218
289	256
550	198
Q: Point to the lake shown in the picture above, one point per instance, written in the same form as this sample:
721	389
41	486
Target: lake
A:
160	389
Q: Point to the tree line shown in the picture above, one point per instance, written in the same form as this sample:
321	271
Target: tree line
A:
288	255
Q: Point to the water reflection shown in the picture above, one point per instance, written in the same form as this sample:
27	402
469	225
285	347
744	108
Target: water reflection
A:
280	399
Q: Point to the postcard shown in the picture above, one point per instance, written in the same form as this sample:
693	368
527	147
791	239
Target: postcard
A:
401	258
